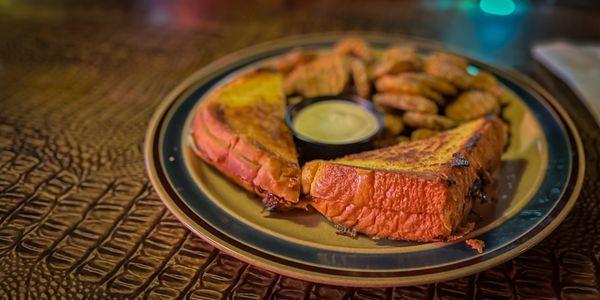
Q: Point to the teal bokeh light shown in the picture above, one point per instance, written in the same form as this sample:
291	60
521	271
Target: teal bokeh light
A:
473	70
497	7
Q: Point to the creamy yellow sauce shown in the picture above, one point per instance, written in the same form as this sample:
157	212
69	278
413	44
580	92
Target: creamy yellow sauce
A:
335	122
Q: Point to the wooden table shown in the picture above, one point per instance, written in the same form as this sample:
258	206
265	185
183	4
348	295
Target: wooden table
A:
79	82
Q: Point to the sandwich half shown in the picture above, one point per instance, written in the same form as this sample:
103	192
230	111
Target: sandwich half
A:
239	129
416	191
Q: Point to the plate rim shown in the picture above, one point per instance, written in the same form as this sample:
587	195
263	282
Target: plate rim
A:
344	280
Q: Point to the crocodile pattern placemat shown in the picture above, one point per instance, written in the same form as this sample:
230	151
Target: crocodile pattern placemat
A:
78	84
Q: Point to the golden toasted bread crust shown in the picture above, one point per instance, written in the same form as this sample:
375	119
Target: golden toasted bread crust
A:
404	205
243	159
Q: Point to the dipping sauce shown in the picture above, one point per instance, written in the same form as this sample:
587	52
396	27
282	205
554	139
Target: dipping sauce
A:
335	122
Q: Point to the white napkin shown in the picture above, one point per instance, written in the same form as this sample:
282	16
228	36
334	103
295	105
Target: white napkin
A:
578	66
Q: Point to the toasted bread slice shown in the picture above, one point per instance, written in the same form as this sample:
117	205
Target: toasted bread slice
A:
239	129
416	191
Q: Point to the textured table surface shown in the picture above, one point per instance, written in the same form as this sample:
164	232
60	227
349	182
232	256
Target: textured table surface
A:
79	82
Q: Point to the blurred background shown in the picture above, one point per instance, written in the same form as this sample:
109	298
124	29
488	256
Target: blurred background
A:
167	40
497	31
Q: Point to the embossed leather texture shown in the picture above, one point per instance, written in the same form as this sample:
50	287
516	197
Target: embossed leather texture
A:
78	84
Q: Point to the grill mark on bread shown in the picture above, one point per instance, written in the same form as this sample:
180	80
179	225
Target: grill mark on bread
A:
473	141
459	160
342	230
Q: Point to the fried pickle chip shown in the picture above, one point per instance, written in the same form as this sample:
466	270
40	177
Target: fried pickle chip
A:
405	85
455	75
326	75
422	133
406	102
360	78
289	61
354	46
439	85
471	105
392	125
487	82
449	67
397	60
504	95
446	58
429	121
484	81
